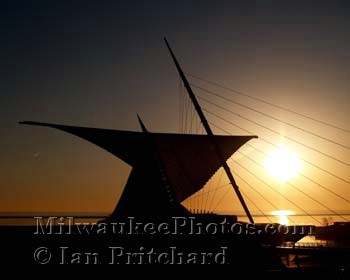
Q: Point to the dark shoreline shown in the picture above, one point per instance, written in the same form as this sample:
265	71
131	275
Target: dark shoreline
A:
242	253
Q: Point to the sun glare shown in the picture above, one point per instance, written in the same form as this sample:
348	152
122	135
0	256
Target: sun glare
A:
282	216
283	164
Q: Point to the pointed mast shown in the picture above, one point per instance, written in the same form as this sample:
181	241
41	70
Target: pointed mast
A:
210	133
143	127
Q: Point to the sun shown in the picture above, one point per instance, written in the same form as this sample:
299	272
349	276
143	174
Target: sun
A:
282	164
282	216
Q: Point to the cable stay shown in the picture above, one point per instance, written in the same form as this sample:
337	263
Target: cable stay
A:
299	173
275	132
279	193
306	177
274	145
271	117
292	185
269	103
